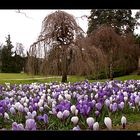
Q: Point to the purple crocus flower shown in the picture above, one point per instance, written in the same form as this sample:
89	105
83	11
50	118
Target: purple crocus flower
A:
114	107
121	105
97	113
14	126
107	102
45	118
1	110
30	124
40	118
98	106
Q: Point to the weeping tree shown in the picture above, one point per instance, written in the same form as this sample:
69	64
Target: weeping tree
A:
56	45
110	43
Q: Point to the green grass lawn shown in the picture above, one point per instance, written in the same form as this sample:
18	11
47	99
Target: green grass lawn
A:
22	78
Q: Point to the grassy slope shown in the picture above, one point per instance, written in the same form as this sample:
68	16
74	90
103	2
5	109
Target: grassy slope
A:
13	78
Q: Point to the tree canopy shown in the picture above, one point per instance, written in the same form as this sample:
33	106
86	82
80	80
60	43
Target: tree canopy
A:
119	19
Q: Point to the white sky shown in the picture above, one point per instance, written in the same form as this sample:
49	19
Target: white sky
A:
26	30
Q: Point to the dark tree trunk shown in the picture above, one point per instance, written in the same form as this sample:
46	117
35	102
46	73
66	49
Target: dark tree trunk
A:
64	77
64	65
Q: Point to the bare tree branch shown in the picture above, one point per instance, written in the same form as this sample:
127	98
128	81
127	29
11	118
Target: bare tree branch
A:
19	11
82	17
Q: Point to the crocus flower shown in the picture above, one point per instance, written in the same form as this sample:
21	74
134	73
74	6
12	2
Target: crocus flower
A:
73	108
40	118
30	124
75	120
1	110
96	126
60	115
20	127
107	102
14	126
12	110
68	96
90	121
97	113
137	99
76	128
108	122
123	121
98	106
45	118
114	107
121	105
66	113
6	116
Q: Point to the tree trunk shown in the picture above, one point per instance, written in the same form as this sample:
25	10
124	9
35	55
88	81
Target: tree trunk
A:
111	66
64	65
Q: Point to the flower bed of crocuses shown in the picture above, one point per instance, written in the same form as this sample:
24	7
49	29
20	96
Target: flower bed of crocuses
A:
66	106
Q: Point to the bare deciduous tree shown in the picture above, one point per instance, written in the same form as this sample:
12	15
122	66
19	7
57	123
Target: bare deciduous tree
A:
55	43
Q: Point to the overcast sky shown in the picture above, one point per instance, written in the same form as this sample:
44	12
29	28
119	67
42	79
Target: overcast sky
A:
26	28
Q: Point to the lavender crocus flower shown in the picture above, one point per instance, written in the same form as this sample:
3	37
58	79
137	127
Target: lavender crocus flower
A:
114	107
76	128
14	126
45	118
1	110
97	113
98	106
121	105
66	113
12	110
40	118
30	124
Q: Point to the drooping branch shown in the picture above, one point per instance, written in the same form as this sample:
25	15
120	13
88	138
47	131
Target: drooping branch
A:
19	11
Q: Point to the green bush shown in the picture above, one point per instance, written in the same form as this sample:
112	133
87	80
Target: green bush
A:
117	72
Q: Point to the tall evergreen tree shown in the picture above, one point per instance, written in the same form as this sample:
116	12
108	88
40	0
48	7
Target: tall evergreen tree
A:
120	19
6	56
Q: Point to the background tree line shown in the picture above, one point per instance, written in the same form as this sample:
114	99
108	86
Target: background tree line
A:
12	61
110	48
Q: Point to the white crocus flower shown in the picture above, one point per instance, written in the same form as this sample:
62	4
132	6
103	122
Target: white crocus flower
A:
34	113
125	99
66	113
60	115
60	98
49	100
6	116
90	121
17	105
27	101
67	96
22	100
41	109
25	104
76	112
123	122
137	99
96	96
96	126
48	90
125	94
75	120
108	122
73	108
26	109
